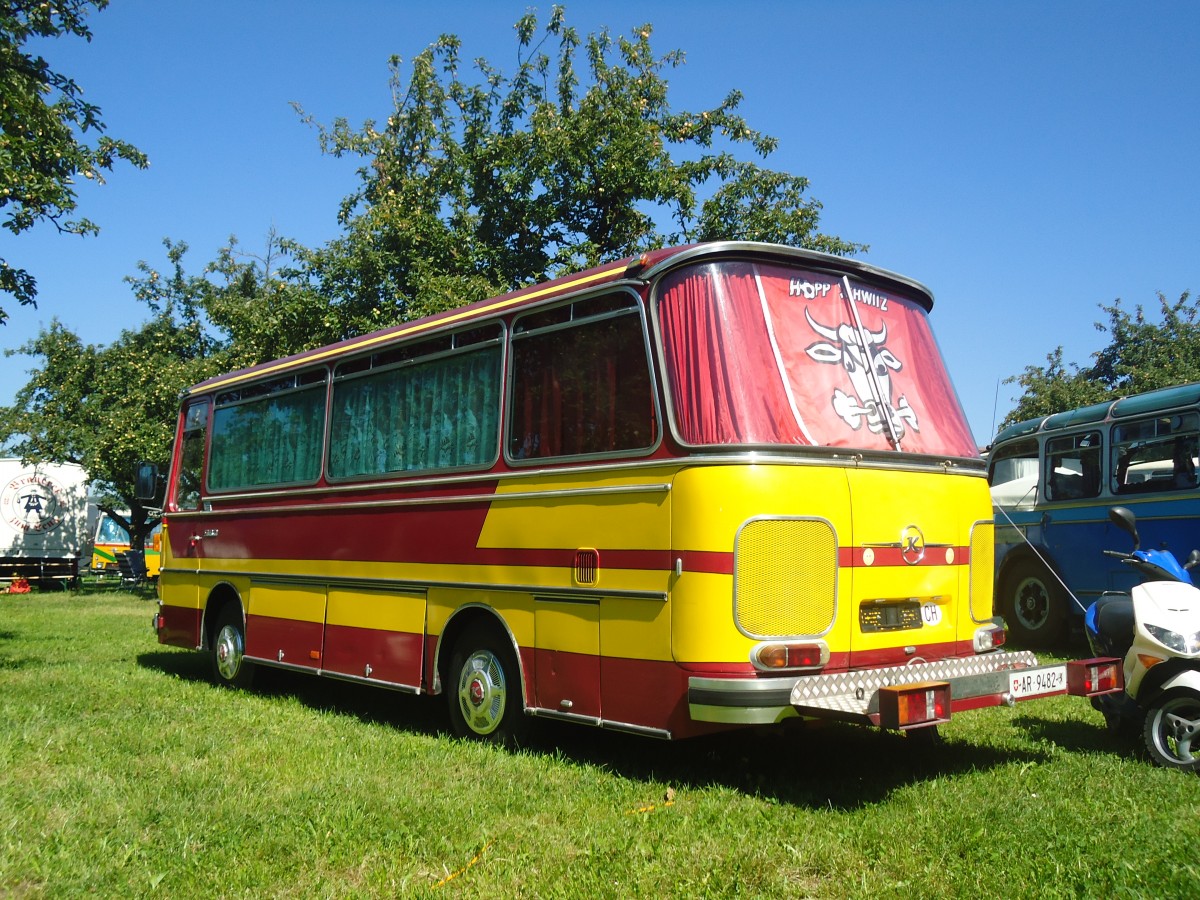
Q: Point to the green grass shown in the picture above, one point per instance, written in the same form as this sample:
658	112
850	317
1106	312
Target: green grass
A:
125	772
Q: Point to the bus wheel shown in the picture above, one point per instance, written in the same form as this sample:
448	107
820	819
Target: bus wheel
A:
484	692
228	649
1033	604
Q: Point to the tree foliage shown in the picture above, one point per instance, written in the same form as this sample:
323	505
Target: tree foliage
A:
108	408
476	186
45	125
1141	355
471	187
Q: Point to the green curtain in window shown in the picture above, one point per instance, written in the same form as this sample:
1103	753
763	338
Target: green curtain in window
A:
441	414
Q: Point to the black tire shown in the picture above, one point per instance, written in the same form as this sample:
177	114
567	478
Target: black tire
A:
483	689
1034	604
1172	730
227	650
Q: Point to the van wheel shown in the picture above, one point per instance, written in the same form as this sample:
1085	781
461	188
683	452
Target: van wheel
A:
484	689
228	650
1033	604
1172	730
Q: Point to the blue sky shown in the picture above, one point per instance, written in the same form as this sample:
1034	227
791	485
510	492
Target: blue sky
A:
1027	161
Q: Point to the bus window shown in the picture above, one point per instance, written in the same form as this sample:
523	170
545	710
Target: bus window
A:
269	433
1014	474
398	412
763	354
1155	454
191	457
1073	466
581	387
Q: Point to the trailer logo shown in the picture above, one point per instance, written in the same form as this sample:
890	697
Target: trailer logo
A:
32	502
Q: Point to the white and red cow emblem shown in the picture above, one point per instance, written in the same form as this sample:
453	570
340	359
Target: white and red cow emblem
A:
870	364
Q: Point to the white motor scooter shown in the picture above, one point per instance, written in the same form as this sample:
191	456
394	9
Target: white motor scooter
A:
1157	632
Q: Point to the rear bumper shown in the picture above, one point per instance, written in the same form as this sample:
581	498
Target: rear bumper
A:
989	679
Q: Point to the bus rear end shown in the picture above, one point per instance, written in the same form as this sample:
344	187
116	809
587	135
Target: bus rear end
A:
832	530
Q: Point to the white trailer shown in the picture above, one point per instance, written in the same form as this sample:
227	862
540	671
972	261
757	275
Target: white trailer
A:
43	522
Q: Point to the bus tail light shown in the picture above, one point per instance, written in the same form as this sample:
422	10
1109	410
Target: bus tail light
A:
905	706
1089	677
805	655
989	637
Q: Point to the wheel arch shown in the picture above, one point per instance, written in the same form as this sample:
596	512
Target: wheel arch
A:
221	596
462	619
1023	555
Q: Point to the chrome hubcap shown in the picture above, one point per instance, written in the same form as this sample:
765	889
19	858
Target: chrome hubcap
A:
229	652
482	692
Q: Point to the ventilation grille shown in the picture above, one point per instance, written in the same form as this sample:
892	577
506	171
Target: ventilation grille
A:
587	566
785	577
983	569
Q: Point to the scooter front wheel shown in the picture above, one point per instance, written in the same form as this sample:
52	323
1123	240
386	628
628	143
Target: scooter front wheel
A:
1172	730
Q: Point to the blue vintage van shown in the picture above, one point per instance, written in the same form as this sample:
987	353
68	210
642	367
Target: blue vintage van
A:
1053	481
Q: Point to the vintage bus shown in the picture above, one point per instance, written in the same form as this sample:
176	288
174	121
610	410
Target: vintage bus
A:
1053	481
711	486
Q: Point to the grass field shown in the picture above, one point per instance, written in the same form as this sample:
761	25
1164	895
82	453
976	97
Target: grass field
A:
125	773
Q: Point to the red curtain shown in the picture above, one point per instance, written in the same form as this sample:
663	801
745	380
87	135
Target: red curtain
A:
720	362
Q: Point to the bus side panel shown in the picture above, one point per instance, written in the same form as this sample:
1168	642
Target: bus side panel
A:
567	659
589	629
178	590
375	634
285	623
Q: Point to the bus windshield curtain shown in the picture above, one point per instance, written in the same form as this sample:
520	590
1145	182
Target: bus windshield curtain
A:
723	374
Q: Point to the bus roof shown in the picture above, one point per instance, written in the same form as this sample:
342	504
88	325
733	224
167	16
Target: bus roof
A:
641	268
1161	400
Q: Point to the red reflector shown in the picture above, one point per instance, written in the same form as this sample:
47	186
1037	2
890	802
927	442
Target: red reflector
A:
909	705
999	637
803	656
1088	677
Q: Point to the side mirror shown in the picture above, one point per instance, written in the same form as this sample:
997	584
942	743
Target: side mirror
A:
147	481
1193	560
1125	520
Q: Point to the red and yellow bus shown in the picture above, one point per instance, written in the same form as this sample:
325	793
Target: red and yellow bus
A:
715	485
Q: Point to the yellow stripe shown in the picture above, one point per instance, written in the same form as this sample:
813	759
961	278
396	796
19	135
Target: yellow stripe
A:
405	332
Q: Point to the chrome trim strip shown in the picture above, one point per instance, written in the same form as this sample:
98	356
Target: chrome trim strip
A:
542	591
801	456
373	682
542	713
563	493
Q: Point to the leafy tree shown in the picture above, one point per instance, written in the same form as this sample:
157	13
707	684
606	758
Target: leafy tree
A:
1141	355
108	408
472	187
44	125
263	307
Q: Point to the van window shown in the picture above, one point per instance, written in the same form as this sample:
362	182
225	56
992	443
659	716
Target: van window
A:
1073	466
1014	473
1158	454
